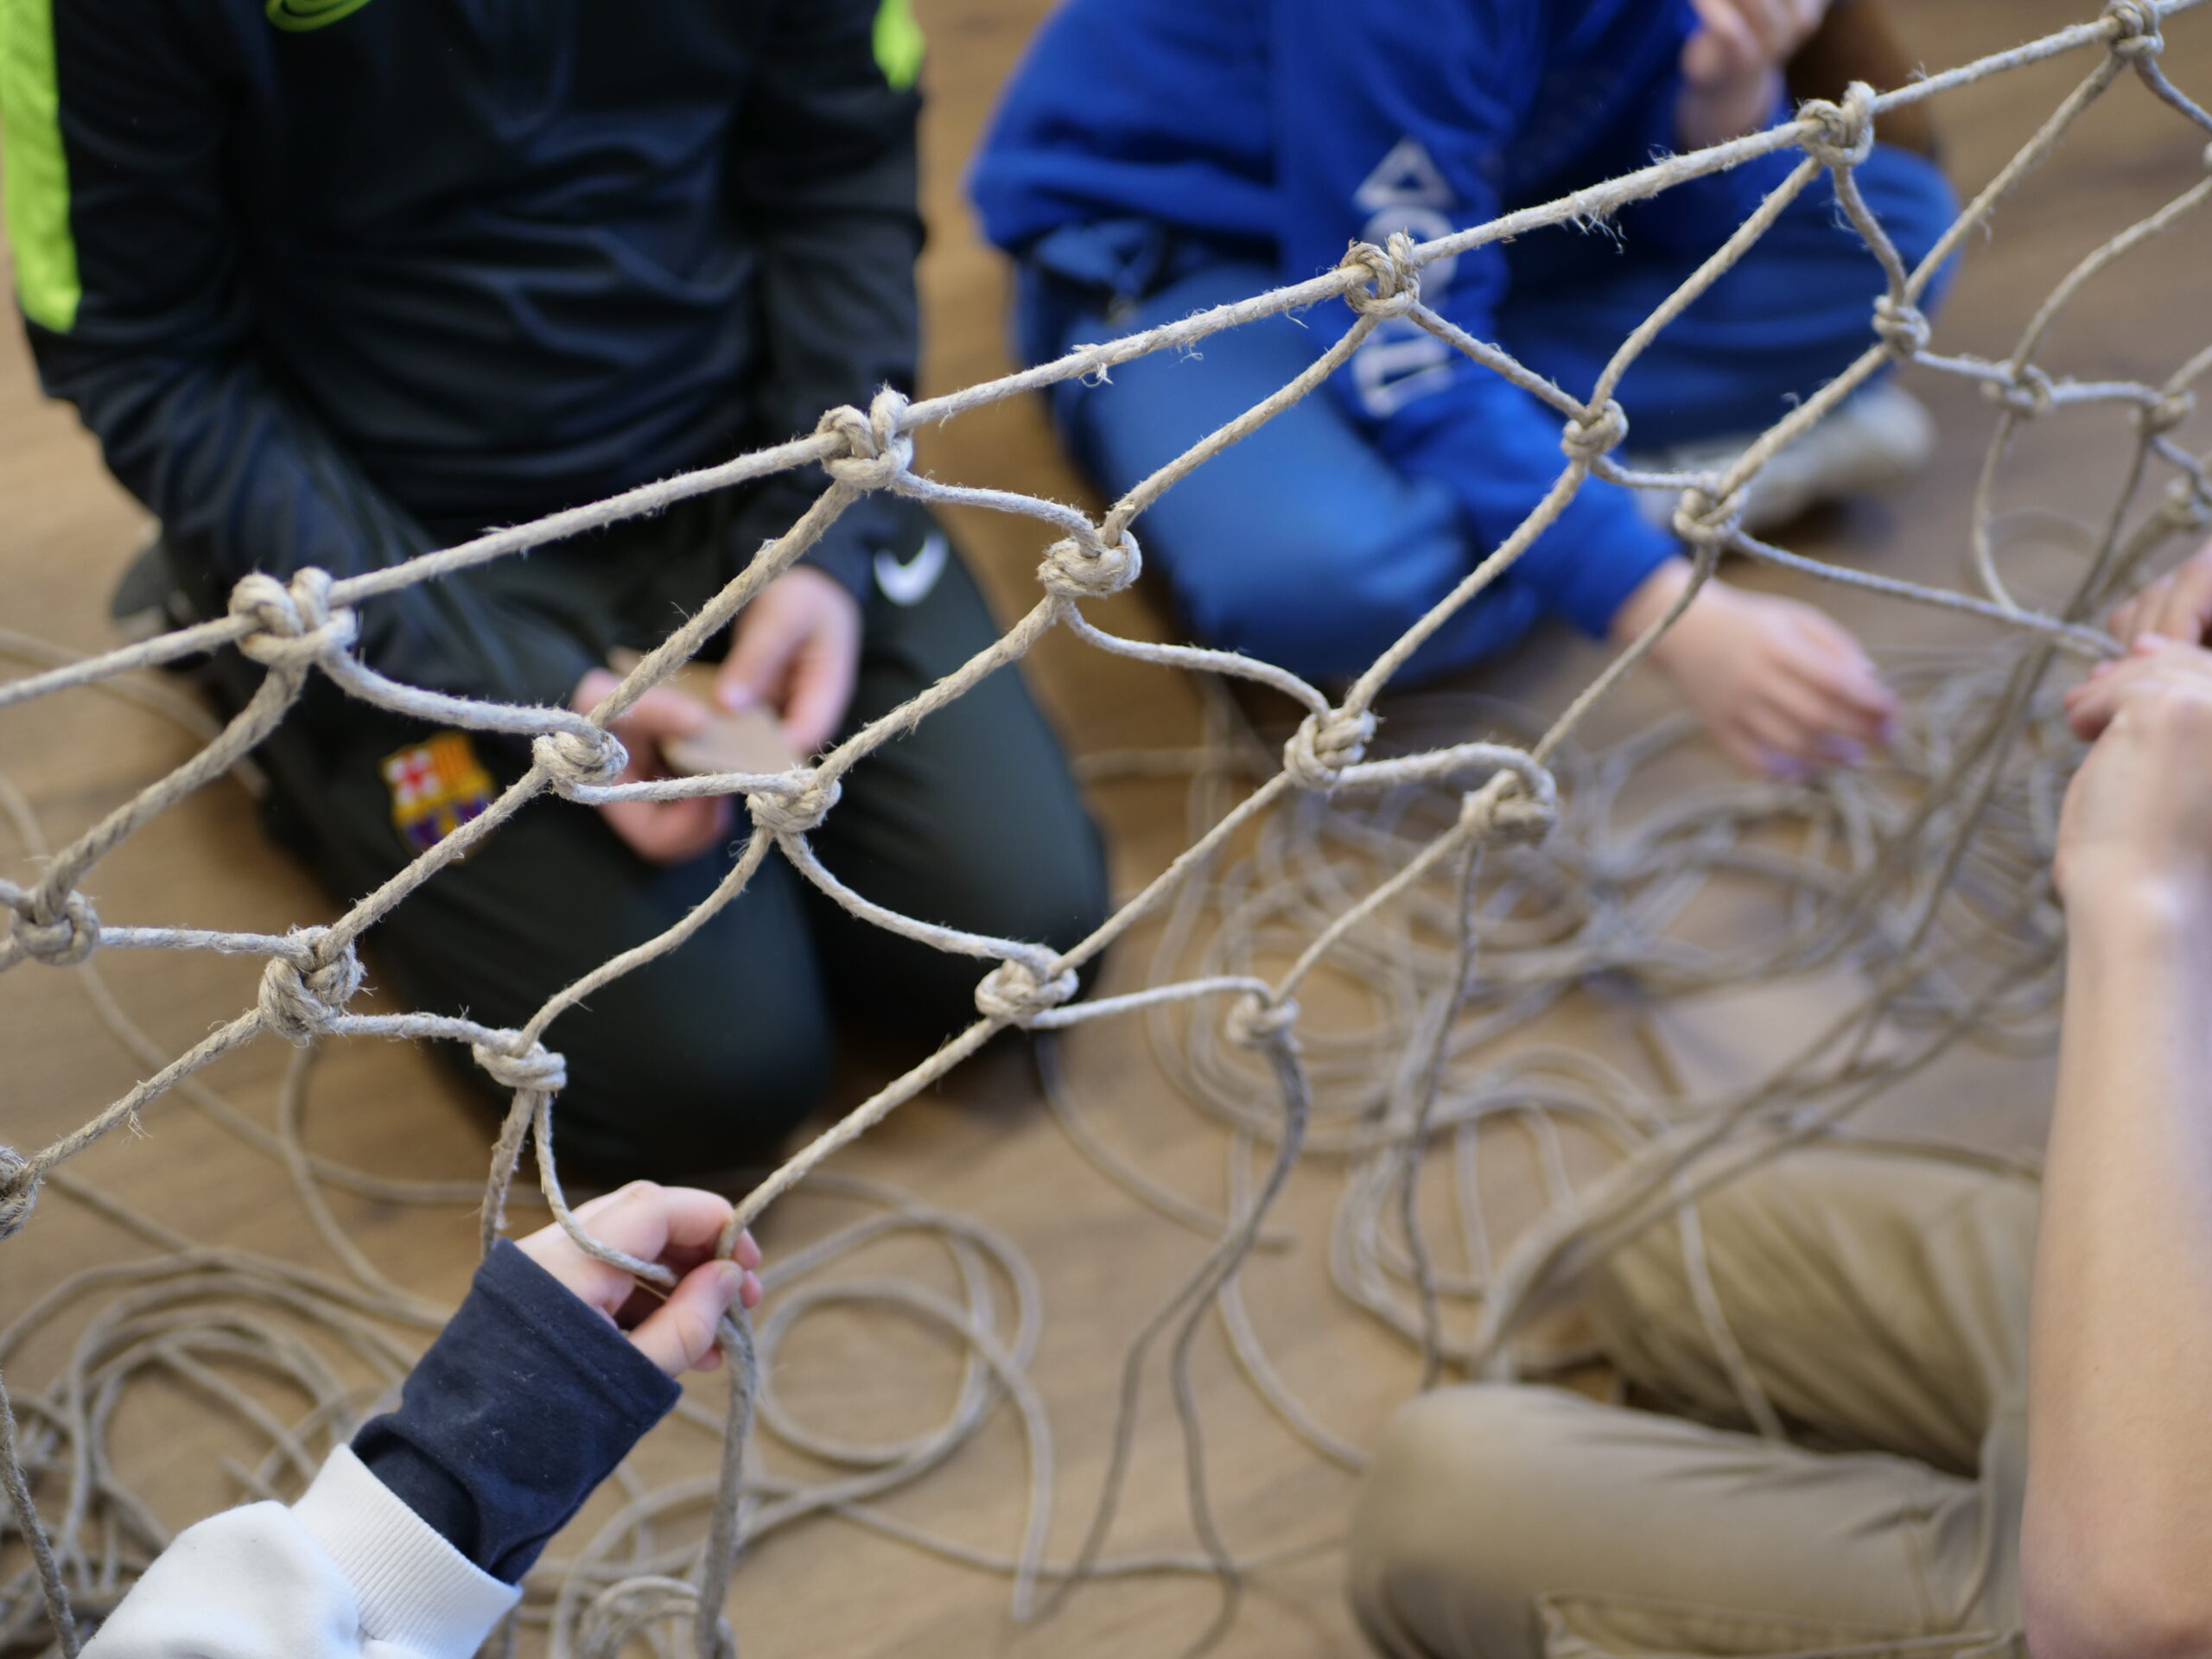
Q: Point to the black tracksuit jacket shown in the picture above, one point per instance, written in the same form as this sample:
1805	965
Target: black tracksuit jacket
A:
335	282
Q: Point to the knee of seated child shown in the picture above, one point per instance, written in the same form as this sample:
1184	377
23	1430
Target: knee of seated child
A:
1045	885
1059	899
1437	1543
669	1099
1452	1462
1326	599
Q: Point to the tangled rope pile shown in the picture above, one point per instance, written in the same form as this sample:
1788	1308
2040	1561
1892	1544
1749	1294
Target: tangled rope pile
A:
1462	885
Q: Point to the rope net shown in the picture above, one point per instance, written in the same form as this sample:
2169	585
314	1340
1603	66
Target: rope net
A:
1465	886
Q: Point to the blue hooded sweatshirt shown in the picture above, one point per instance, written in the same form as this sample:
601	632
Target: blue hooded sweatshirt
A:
1304	125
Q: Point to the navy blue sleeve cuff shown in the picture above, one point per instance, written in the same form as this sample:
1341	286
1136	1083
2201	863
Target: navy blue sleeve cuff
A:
526	1402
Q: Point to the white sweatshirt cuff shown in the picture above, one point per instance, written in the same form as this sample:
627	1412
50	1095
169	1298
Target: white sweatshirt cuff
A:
413	1589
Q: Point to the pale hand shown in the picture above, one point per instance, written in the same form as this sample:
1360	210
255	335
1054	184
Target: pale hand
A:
2177	606
677	1227
2137	826
660	832
1783	690
1732	66
797	650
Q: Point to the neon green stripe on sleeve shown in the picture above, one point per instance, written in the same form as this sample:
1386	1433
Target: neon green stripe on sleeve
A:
37	173
899	45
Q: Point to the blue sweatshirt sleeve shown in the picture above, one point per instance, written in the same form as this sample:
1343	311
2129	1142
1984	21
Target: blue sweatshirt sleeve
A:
1397	117
526	1402
1623	70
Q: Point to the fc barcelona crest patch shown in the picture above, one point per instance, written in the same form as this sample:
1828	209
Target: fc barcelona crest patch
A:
436	787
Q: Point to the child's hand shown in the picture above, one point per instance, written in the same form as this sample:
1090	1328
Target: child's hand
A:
797	649
675	1226
1732	66
2177	606
2137	818
1785	690
661	832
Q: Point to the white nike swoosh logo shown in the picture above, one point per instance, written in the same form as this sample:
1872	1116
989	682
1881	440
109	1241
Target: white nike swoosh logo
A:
909	583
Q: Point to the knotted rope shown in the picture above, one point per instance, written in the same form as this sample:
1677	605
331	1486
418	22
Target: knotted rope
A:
1904	328
798	812
1467	886
1015	992
294	627
572	760
1589	438
18	1191
1324	745
1392	285
1086	568
300	1006
877	449
1844	133
534	1070
61	942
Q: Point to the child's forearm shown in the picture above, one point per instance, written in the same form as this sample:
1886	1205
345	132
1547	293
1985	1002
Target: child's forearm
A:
412	1539
1648	601
2118	1523
527	1400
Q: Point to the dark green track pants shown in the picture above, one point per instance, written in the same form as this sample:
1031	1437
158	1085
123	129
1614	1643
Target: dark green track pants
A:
706	1058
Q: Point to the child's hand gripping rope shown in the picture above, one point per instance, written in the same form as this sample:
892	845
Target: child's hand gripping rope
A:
675	1226
2177	606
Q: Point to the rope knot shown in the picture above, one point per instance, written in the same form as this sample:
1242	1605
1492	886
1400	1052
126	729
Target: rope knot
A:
1589	436
1903	326
574	760
2169	412
1254	1022
1844	135
1072	569
1393	280
2186	506
797	810
63	941
537	1068
877	453
1700	519
1324	745
18	1191
2025	390
300	1005
294	627
1012	991
1509	812
2136	32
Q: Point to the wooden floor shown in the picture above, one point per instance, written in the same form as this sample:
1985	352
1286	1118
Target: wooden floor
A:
982	1146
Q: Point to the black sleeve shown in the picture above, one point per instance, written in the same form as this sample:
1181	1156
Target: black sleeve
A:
526	1402
825	175
156	349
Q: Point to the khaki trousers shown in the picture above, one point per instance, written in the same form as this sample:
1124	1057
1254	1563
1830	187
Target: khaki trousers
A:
1880	1299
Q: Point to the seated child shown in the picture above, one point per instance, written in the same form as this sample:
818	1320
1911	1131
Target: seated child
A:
1993	1386
531	258
1153	158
